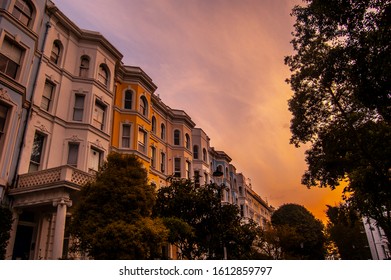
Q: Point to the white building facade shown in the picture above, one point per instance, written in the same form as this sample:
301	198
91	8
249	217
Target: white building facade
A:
67	135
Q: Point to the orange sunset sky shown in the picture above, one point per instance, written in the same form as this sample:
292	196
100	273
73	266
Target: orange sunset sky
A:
222	62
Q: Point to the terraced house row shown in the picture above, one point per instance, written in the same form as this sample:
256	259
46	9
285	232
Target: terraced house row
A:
66	101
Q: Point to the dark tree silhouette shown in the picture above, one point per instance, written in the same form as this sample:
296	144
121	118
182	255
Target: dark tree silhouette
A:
341	69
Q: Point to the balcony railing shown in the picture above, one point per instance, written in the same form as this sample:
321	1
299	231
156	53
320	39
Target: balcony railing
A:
54	176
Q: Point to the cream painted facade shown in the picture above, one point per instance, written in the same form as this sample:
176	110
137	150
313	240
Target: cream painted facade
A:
67	135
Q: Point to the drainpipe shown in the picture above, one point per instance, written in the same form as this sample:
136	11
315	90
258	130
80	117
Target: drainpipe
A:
28	115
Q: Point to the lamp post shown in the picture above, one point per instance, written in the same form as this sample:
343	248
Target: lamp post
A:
217	174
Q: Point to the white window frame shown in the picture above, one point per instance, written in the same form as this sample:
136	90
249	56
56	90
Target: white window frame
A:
73	159
99	114
126	137
78	110
48	95
37	164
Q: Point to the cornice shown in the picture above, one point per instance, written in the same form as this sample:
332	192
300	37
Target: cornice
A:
134	74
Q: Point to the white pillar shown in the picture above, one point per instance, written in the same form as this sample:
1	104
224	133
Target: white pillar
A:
59	228
11	241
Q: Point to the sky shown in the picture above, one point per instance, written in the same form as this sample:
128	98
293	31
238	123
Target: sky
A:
221	61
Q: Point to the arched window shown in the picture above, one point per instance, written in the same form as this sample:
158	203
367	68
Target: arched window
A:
163	131
144	106
204	155
23	11
128	99
153	124
56	52
103	74
195	152
177	137
187	139
84	66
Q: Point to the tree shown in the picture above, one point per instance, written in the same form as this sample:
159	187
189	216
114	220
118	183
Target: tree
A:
346	230
112	219
200	225
341	106
300	234
5	228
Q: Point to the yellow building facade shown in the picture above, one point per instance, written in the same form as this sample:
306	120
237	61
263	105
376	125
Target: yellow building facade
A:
143	125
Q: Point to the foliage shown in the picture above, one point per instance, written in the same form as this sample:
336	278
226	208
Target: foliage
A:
201	226
268	243
341	70
300	234
112	219
5	228
346	230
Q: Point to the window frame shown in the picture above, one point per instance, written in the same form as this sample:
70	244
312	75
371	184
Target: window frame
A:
162	161
143	106
103	75
142	145
95	115
73	144
162	131
153	125
153	157
177	137
187	141
47	107
84	69
177	167
195	151
41	150
128	100
79	110
55	55
12	68
92	169
20	12
126	137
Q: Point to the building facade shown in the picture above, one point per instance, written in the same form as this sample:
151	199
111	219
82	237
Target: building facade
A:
66	102
20	40
67	134
377	240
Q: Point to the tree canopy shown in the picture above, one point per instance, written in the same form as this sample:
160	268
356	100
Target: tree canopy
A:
112	219
346	230
201	226
341	102
300	234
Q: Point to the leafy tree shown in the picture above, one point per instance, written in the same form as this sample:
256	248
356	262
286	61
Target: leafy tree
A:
5	228
112	219
341	106
346	230
201	226
268	243
300	234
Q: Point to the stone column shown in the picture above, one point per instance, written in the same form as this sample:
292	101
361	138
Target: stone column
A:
11	242
59	228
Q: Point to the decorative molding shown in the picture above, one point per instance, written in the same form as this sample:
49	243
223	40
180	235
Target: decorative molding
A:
75	138
98	143
42	128
4	95
62	202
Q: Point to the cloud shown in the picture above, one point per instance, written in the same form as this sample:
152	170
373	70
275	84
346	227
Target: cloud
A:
222	62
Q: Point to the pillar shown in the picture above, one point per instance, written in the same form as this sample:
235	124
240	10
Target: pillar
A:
59	228
14	228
